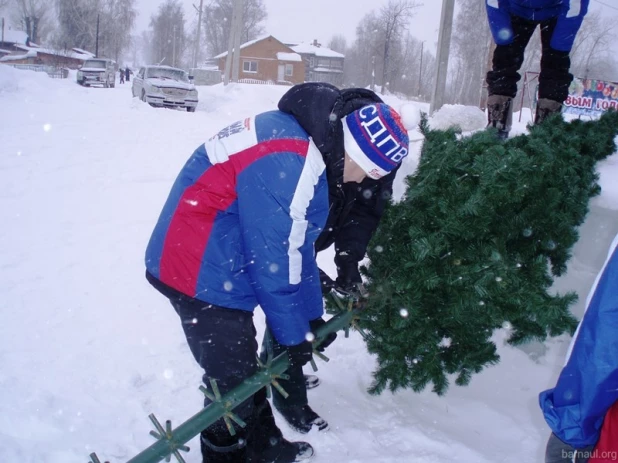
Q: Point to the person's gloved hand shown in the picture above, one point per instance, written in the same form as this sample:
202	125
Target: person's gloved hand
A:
330	337
350	290
300	354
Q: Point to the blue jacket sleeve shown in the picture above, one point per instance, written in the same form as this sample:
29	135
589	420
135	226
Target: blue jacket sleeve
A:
568	24
499	21
274	197
588	383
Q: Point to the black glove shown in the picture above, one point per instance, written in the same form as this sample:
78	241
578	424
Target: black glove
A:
330	337
300	354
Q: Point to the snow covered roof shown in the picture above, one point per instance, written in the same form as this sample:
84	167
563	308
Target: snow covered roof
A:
12	36
30	54
311	49
245	45
281	56
2	50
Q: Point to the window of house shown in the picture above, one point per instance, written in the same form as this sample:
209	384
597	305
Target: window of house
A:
312	61
289	70
250	66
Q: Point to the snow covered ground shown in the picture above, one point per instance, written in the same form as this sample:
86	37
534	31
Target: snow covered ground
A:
88	349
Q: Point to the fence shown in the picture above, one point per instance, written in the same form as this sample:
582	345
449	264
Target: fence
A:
52	71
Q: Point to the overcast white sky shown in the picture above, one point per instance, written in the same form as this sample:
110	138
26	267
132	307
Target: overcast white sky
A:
305	20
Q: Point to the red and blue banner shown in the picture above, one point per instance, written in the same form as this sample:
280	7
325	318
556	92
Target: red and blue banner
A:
589	97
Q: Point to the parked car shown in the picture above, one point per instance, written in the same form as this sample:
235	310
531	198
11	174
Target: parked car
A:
97	71
165	86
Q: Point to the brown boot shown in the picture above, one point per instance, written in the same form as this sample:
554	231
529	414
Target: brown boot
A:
545	108
500	114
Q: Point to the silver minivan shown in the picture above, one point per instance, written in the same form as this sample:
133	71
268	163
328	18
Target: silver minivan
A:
97	71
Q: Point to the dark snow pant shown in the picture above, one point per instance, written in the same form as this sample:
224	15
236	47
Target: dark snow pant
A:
554	79
223	343
295	386
559	452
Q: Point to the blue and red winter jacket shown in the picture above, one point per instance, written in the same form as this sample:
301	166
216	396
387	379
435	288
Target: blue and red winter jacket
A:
239	226
569	15
588	384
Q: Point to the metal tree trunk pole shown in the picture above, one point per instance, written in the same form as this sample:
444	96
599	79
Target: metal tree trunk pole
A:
171	441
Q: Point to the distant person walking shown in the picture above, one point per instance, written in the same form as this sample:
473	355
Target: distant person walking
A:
128	74
512	23
121	72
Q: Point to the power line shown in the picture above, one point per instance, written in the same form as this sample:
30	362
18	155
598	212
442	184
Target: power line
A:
605	4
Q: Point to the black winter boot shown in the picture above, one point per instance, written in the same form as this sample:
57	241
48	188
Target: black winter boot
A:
212	453
302	418
546	107
267	444
311	381
500	114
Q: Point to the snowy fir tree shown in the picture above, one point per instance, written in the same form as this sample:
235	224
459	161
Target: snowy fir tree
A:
474	246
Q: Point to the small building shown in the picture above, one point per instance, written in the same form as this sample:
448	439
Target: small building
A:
321	64
16	49
267	60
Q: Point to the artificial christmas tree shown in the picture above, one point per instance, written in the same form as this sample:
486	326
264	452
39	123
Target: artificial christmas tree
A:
474	247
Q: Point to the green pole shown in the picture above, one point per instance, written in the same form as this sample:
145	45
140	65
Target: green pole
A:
171	442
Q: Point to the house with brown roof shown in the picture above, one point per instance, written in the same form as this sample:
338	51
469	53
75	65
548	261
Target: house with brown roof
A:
267	60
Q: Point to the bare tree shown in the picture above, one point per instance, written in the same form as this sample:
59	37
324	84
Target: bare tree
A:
78	25
393	20
592	55
470	53
217	19
338	43
32	16
168	33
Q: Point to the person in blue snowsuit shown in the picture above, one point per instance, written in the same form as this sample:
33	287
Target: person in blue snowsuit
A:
588	384
512	23
239	229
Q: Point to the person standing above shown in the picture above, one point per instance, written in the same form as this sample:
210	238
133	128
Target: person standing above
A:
512	23
239	229
575	409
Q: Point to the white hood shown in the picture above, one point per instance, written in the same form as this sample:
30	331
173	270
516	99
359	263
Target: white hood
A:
169	83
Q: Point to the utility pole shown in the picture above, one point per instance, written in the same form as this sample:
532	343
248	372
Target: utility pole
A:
237	36
420	70
198	37
96	47
444	46
231	41
2	21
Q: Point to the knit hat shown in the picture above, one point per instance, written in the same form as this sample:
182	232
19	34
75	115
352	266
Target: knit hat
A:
375	138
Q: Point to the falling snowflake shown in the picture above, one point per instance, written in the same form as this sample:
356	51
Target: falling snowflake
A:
47	127
228	286
403	313
446	342
309	337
